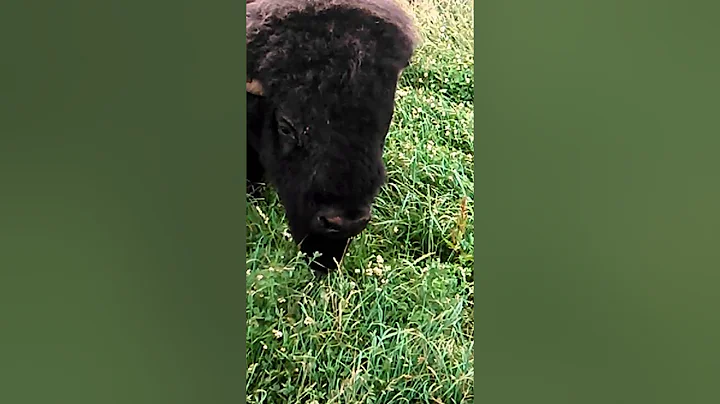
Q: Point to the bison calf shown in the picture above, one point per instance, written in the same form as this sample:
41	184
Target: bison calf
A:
321	84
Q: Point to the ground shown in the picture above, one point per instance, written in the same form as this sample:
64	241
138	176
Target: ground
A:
395	325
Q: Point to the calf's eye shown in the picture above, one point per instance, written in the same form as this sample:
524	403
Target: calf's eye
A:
288	136
286	129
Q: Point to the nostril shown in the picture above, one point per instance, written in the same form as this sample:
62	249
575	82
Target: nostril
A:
359	215
361	221
331	223
350	221
355	215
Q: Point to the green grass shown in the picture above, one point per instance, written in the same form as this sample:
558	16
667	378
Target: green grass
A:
395	324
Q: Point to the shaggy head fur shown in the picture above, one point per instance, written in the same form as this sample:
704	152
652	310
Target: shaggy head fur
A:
325	74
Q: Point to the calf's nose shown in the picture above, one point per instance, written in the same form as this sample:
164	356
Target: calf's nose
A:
333	221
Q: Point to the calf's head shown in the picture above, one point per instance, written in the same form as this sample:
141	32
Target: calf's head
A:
325	73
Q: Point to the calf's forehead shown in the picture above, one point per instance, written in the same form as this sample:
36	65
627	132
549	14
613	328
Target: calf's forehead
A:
370	97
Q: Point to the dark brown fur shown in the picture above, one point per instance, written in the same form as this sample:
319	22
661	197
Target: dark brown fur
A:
329	70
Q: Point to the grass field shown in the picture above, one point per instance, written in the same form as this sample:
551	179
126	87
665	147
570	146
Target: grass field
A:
395	325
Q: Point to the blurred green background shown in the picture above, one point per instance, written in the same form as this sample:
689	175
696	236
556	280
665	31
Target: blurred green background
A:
121	203
597	202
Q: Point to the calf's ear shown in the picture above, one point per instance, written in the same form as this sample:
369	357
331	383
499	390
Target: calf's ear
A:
254	86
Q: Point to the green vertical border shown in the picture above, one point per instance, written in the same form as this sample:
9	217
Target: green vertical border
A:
122	202
243	240
597	202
